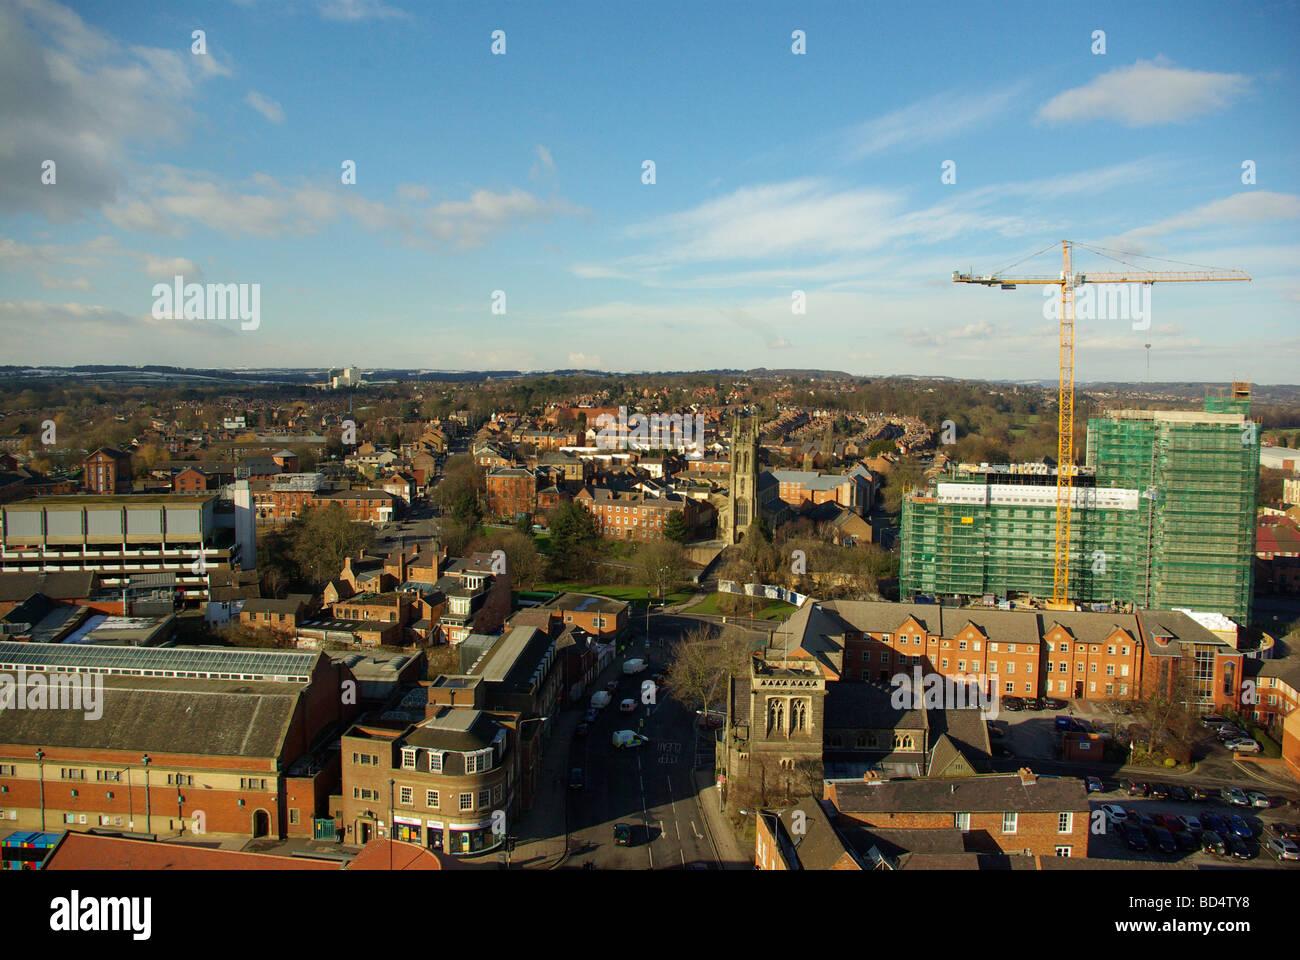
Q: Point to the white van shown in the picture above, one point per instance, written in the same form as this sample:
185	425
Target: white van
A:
624	739
633	666
600	699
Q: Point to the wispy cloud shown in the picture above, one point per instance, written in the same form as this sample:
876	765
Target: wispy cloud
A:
1145	94
1240	209
351	11
933	120
265	106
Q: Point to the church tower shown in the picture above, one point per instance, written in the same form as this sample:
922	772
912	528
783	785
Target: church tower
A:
742	491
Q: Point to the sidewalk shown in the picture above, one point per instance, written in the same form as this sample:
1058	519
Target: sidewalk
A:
721	834
543	831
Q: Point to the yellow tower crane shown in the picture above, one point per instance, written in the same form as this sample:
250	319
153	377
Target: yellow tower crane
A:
1067	281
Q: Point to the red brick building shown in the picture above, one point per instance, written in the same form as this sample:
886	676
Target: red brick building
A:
219	742
190	480
107	470
511	492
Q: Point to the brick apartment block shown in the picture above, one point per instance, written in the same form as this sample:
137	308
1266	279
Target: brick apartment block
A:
107	470
1013	814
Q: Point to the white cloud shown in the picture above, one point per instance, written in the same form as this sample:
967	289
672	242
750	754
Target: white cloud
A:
351	11
70	93
938	118
1146	94
584	361
265	106
1240	209
544	167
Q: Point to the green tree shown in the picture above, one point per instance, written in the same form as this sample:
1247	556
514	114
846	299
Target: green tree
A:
573	542
524	525
675	528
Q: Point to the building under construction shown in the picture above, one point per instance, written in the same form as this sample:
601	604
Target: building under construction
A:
1163	515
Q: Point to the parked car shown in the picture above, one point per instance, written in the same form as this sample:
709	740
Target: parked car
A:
1244	745
1164	840
1094	785
590	716
1258	799
1213	721
1239	827
1179	793
1282	849
1286	830
1211	842
1186	840
1215	822
581	729
622	835
1229	733
1033	703
1166	820
1201	793
627	706
1240	849
1143	819
1134	837
1236	796
1191	824
1011	703
1159	791
1050	704
1134	788
1115	814
575	778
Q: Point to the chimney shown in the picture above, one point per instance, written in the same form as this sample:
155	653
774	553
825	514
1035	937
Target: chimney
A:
1027	776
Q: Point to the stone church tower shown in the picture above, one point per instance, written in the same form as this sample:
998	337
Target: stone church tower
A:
742	491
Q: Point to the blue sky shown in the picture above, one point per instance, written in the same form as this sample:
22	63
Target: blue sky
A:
522	172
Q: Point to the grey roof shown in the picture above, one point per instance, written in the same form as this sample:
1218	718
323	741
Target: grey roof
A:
818	846
995	793
263	605
1286	669
586	603
72	585
254	664
880	616
452	729
1178	627
1015	626
231	718
865	706
1091	627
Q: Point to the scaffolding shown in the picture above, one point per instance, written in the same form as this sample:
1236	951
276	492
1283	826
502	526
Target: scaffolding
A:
1190	542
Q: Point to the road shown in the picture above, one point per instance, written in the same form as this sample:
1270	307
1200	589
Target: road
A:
651	788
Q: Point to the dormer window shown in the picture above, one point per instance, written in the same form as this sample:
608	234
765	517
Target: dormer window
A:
408	758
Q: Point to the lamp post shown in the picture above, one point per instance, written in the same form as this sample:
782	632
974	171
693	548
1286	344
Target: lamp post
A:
148	810
40	760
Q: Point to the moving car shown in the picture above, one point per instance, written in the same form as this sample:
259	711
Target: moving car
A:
590	716
625	739
1258	799
581	729
612	687
1094	785
622	835
635	665
1282	849
1245	745
601	699
627	706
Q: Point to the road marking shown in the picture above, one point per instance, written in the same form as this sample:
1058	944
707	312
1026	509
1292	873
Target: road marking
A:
695	830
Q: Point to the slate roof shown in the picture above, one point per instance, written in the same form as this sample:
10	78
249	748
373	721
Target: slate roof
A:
995	793
161	715
72	585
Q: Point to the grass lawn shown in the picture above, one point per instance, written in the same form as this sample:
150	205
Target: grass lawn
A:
764	609
634	595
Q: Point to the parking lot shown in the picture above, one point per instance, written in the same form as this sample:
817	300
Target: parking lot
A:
1110	844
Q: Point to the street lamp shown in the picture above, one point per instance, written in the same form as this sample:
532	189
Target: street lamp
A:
40	759
148	811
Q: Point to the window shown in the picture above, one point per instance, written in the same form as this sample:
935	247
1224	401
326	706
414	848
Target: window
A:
1110	649
6	769
1065	823
435	761
431	798
1062	851
67	773
945	663
993	647
1009	822
484	799
961	665
365	759
1011	687
406	796
467	801
293	816
961	644
961	821
1063	667
1011	666
408	758
884	656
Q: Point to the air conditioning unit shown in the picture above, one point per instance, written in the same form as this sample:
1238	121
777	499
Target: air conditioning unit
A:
75	794
110	794
241	801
